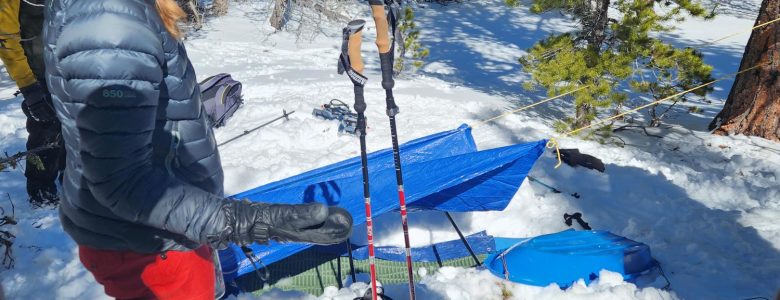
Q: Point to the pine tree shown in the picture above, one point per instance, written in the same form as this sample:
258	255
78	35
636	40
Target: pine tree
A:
604	54
411	42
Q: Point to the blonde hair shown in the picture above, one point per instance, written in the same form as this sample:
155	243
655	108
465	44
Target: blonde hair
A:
171	14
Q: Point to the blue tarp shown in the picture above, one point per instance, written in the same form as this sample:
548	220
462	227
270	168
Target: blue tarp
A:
443	171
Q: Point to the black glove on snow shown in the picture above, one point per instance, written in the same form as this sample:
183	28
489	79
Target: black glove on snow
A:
309	223
36	99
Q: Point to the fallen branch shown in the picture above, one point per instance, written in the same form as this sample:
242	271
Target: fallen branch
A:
13	160
6	237
282	10
607	136
328	13
441	2
644	128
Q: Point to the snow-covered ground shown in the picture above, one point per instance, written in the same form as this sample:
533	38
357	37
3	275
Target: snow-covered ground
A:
708	206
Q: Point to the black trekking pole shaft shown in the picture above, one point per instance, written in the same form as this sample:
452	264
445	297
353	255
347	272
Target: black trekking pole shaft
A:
551	188
366	190
284	116
353	65
351	263
383	43
463	239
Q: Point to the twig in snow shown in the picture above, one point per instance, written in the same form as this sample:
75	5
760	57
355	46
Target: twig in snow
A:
6	237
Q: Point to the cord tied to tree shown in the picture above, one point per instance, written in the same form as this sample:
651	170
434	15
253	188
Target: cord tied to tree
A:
552	143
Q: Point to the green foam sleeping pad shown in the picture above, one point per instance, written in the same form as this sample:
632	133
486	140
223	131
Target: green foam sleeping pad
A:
312	272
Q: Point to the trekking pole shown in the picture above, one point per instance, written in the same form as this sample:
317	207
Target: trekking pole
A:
284	115
549	187
386	53
351	261
351	62
463	239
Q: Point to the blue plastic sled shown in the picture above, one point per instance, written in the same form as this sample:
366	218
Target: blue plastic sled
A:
568	256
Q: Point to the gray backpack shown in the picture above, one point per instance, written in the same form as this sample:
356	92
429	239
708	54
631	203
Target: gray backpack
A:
221	96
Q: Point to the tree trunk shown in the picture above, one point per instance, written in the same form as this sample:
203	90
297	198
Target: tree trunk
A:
195	15
595	24
220	7
279	15
582	116
753	105
595	28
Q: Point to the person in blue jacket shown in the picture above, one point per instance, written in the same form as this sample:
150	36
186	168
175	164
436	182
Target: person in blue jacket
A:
143	186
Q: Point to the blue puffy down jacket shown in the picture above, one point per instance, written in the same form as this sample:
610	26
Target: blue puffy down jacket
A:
143	172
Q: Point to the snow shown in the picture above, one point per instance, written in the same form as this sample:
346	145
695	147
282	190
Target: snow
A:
466	281
706	205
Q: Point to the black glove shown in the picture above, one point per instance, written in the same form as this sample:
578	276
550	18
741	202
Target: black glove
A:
36	98
309	223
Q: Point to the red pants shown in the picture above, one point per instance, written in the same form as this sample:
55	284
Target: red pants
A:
172	275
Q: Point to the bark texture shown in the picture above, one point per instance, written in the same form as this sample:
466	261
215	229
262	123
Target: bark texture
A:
753	105
220	7
278	16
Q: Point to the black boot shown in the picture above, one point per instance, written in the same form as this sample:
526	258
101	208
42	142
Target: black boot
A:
42	194
43	170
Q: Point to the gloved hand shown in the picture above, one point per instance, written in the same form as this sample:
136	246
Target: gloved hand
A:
37	102
309	223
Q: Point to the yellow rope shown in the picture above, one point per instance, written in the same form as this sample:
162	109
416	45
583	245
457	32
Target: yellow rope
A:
553	142
741	32
528	106
583	87
661	100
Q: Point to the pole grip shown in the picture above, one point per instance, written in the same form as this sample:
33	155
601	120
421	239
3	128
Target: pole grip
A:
385	53
355	39
386	62
382	26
